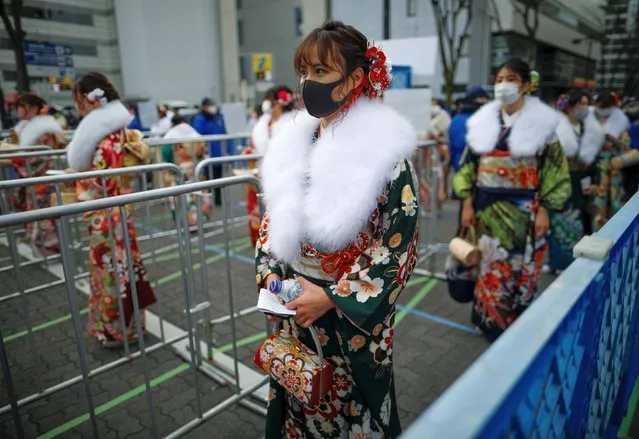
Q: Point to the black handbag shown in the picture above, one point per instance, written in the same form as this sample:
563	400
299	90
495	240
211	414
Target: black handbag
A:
461	281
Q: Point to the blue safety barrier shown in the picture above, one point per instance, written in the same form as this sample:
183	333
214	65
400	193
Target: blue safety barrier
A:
567	367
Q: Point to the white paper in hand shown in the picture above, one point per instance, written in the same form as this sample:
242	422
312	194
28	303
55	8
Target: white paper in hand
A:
268	303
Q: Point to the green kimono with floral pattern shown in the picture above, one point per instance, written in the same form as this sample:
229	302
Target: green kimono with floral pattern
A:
507	192
364	280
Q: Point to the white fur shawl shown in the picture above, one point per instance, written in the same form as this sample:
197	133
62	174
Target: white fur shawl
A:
534	127
93	128
616	124
590	142
261	135
325	192
38	127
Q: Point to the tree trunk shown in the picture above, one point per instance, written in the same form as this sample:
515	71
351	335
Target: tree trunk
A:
449	86
23	83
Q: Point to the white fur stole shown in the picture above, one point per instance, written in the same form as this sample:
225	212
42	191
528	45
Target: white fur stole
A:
325	192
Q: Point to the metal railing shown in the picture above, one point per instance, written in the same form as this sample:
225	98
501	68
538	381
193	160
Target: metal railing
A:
567	366
192	306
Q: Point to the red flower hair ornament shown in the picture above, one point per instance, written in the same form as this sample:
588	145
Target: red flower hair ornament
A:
284	98
379	75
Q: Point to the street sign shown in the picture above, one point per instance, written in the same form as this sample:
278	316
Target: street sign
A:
262	63
47	54
263	67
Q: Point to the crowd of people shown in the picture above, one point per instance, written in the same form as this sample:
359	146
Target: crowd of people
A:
342	210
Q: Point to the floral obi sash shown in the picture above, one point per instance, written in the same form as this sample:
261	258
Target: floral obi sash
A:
500	170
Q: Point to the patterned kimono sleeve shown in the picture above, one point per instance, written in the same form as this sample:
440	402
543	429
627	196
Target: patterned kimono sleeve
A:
554	177
367	295
265	264
465	179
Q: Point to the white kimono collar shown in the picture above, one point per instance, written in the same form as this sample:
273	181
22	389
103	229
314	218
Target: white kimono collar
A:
38	127
261	134
616	124
324	193
94	127
587	145
531	130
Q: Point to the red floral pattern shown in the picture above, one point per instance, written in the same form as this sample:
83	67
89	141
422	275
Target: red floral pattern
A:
108	267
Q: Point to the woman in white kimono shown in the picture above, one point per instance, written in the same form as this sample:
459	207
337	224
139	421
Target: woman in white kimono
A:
581	137
36	128
278	108
341	216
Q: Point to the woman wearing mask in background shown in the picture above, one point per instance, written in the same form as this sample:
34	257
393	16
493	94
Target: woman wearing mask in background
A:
581	137
98	144
513	174
438	131
609	195
277	106
187	156
252	201
342	215
278	109
36	128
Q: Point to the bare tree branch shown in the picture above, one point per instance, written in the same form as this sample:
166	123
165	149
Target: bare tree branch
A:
8	25
452	36
16	35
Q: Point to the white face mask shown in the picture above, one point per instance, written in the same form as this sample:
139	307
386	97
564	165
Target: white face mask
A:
267	107
581	113
603	113
212	109
435	109
507	92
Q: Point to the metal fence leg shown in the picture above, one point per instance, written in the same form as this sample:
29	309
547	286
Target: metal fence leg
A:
20	285
138	319
194	346
227	252
114	267
8	384
154	260
67	264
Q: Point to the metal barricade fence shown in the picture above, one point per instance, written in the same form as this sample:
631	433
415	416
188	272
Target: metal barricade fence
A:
429	169
193	305
567	366
29	185
226	139
56	159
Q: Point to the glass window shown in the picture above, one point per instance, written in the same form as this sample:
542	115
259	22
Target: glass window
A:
57	15
10	75
6	44
299	21
411	8
84	49
239	4
240	32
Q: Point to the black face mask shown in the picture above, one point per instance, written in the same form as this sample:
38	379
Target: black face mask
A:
318	97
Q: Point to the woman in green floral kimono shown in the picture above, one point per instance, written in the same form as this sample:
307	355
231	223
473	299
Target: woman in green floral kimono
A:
515	171
581	138
609	194
342	217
